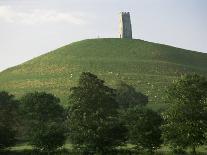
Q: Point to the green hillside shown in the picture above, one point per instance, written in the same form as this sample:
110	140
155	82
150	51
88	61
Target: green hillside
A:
148	66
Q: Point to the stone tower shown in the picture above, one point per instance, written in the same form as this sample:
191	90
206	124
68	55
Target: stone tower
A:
125	26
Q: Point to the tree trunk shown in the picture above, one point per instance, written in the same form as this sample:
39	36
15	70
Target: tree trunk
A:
194	150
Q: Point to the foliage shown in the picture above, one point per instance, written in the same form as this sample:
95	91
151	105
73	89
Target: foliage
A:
8	119
93	117
44	119
128	97
143	126
185	122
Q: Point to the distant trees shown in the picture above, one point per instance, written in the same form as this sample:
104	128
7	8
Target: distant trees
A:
93	115
127	96
142	123
8	119
185	122
44	120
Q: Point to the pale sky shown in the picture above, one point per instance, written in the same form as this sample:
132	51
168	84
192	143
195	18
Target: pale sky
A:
29	28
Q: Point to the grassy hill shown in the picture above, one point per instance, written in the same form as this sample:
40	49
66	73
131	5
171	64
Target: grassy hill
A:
148	66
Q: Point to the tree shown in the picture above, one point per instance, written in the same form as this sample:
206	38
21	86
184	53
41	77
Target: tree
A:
8	119
143	126
128	97
93	117
44	118
185	122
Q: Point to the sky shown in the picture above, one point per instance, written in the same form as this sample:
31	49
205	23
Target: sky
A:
29	28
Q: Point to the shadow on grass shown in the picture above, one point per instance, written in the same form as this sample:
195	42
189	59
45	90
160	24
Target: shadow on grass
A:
67	152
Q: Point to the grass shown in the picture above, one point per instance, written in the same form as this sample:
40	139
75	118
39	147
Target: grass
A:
148	66
25	149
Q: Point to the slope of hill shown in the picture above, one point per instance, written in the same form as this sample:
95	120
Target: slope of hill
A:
148	66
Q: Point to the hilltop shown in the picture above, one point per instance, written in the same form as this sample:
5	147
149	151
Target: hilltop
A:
150	67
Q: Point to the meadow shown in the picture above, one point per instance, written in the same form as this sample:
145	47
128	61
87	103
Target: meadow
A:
149	67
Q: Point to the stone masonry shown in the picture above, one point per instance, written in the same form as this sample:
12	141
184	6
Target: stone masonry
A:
125	26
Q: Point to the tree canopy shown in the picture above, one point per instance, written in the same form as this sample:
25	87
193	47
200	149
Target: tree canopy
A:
8	119
185	122
93	116
44	119
127	96
143	126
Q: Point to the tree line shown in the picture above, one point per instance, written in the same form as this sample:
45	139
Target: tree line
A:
99	119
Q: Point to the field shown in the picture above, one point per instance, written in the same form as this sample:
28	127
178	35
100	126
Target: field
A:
149	67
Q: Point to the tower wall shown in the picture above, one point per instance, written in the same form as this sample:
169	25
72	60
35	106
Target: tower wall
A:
125	25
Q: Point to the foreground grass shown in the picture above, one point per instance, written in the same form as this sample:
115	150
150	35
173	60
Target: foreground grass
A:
67	149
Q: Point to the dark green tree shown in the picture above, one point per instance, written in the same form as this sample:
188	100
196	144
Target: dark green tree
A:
93	117
127	96
143	126
185	122
8	120
44	120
